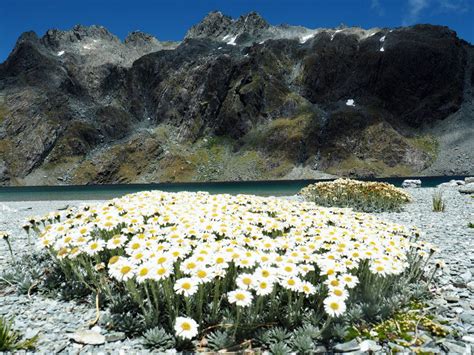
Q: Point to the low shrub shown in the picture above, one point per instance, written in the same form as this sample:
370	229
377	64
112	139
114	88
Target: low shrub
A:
12	340
403	328
362	196
438	201
235	271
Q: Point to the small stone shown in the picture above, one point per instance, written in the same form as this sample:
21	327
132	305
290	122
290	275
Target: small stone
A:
454	348
411	183
469	179
467	189
467	317
116	336
468	338
429	350
320	349
470	286
60	346
347	347
466	276
396	347
88	337
97	329
452	299
369	345
31	333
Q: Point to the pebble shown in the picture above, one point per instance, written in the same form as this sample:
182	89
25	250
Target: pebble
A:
349	346
56	320
467	317
369	345
468	338
88	337
454	348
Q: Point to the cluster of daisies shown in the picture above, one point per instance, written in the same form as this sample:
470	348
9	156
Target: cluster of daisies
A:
240	249
368	196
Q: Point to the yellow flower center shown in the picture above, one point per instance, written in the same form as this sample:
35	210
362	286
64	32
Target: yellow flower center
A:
125	269
191	266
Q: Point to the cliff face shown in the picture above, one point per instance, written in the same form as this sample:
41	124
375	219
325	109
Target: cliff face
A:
236	99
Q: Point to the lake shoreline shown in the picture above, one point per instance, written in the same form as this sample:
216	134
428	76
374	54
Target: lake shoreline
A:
261	188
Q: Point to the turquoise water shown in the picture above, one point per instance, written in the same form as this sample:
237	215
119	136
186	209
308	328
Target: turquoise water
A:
101	192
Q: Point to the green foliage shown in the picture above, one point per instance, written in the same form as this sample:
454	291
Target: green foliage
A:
402	327
279	349
470	225
219	340
359	195
11	340
24	272
303	344
427	144
129	323
158	339
4	112
135	306
438	201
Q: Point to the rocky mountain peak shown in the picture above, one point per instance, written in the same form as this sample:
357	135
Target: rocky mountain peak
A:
138	38
213	25
29	36
84	107
251	23
56	38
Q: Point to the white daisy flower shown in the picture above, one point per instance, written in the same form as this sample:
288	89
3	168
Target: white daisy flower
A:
334	306
186	286
242	298
185	328
245	281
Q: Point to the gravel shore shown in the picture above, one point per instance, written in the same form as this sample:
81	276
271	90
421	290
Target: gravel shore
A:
55	320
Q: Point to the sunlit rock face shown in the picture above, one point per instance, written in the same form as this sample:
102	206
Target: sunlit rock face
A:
236	99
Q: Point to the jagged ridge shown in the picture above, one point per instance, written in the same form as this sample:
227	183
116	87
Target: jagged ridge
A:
237	99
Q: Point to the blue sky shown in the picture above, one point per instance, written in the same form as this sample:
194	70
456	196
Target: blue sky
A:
169	19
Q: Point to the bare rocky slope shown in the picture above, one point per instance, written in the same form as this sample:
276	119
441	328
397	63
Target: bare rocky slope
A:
237	99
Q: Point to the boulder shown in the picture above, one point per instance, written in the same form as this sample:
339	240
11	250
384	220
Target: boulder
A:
88	337
452	183
467	189
411	183
469	179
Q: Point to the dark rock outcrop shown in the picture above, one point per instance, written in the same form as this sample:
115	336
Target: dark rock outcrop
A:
77	104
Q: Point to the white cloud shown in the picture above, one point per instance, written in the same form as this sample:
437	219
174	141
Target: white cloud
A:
454	5
415	7
377	6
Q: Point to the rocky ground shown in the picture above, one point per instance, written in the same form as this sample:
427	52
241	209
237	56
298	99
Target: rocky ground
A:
55	321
